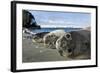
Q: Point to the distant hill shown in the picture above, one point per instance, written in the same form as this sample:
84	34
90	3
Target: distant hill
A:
29	20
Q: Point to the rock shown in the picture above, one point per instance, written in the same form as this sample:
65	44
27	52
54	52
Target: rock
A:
27	31
29	20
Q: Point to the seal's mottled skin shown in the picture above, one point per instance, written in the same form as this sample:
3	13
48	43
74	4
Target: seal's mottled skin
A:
79	45
74	44
62	44
51	38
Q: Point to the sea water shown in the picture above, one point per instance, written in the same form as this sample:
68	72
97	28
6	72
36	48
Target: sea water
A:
52	29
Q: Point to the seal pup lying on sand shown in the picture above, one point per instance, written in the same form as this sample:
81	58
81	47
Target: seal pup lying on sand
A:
51	38
39	37
77	46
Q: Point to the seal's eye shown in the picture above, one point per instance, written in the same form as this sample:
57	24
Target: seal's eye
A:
69	50
68	36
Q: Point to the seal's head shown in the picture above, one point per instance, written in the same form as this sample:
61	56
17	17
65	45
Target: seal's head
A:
63	45
50	40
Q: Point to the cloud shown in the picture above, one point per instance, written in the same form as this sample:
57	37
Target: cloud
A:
55	21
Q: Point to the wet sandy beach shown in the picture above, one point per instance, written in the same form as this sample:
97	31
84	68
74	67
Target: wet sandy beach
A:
36	52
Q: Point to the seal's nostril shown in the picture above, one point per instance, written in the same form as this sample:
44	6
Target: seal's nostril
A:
69	50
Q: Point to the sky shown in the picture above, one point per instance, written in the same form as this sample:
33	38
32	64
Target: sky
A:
61	19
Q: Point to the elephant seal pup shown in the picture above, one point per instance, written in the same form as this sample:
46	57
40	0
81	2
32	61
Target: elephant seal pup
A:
79	45
51	38
39	37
